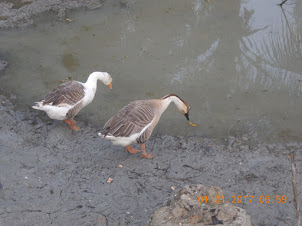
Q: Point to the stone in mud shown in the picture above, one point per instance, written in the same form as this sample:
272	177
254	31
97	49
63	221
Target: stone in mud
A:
3	64
185	209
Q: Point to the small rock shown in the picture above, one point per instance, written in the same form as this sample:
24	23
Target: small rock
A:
3	64
109	181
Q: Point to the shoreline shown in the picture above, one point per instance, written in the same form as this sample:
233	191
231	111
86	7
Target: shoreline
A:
50	174
18	13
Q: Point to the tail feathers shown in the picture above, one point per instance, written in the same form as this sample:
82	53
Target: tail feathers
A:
104	133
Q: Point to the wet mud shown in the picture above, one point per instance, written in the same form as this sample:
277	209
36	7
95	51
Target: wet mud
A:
52	175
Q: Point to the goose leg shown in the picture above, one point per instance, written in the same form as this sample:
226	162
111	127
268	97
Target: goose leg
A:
145	155
132	150
71	123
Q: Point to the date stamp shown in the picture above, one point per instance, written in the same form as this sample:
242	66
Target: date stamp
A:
245	199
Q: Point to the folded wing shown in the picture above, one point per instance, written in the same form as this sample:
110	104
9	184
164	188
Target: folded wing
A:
67	93
131	119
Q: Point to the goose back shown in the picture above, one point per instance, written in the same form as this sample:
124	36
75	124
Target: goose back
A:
132	119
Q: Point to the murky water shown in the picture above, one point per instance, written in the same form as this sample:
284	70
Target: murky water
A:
238	65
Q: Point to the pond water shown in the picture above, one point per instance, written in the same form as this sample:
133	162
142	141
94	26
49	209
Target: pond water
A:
238	64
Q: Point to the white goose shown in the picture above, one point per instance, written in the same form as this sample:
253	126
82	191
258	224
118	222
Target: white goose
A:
65	101
136	121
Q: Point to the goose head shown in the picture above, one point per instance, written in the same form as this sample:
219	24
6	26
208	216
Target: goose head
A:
103	76
107	80
181	105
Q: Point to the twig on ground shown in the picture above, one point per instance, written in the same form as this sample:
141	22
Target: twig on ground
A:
294	182
282	3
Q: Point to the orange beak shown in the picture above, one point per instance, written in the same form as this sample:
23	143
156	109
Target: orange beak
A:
192	124
110	85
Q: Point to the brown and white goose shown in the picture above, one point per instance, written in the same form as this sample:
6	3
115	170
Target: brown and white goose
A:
136	121
65	101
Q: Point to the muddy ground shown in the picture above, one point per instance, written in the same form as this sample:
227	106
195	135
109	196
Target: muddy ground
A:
21	13
52	175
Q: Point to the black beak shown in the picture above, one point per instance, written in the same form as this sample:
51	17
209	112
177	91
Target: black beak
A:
187	115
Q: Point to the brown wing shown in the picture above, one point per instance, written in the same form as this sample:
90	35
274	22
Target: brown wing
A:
131	119
70	93
145	135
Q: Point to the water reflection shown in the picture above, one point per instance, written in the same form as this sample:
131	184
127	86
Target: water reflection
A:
238	65
278	55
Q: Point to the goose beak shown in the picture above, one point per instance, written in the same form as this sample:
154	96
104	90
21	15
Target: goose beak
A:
191	123
110	85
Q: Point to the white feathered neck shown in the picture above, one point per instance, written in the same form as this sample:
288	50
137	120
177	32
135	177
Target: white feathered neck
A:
180	104
94	76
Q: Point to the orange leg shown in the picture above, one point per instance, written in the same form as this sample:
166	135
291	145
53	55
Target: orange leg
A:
71	123
145	155
132	150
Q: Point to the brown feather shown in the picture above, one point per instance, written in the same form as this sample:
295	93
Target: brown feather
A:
131	119
70	93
